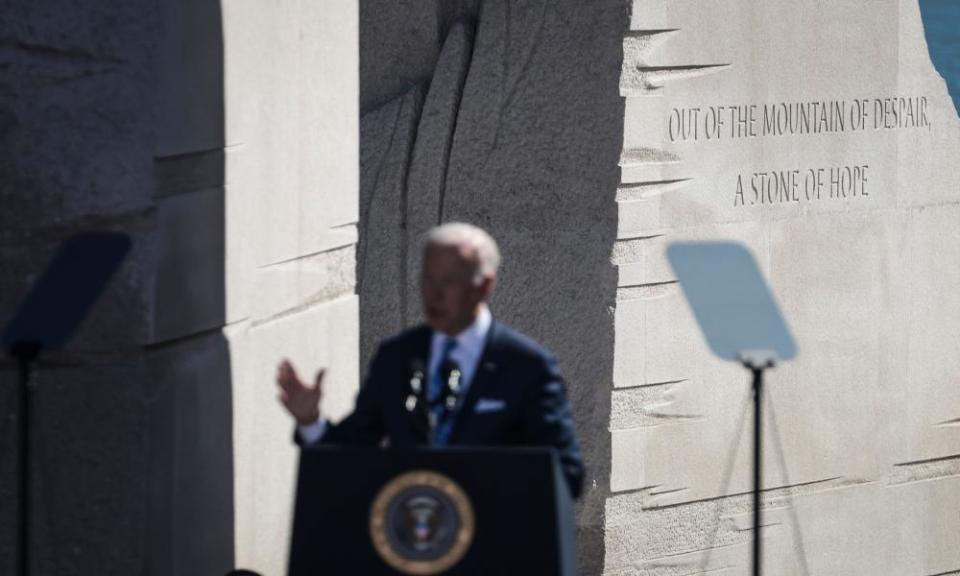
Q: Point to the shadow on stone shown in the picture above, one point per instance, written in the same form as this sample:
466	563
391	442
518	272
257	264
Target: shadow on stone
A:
114	119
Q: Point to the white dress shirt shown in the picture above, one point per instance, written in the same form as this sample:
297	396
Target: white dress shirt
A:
467	354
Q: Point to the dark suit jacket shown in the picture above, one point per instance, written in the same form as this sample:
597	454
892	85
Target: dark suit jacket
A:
513	369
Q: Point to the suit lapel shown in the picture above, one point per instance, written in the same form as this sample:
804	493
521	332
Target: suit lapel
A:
486	372
421	348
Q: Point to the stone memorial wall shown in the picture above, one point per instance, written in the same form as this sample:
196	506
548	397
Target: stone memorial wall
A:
292	140
77	138
506	115
223	137
819	135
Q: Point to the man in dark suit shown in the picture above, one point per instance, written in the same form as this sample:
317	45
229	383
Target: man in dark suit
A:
482	382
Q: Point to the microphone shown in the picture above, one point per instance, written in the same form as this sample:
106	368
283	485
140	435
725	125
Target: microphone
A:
416	401
418	385
451	377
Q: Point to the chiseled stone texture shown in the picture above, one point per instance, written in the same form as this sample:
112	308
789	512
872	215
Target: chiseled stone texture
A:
89	469
861	428
190	447
291	167
190	113
399	45
387	135
803	532
76	109
533	160
520	132
426	180
76	128
291	159
322	335
226	145
189	290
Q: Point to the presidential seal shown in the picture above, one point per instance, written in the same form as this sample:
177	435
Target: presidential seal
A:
421	523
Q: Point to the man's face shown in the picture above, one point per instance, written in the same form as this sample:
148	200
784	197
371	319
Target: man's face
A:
451	300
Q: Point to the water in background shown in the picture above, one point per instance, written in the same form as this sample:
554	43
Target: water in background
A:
941	21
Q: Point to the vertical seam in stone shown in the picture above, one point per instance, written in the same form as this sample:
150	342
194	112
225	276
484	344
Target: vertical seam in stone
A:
456	124
501	105
535	42
404	212
362	241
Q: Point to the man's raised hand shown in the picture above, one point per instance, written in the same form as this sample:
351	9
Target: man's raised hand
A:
302	400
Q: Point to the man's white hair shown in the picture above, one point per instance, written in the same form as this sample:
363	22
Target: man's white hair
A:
463	234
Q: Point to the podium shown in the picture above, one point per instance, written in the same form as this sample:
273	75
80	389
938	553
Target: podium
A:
432	511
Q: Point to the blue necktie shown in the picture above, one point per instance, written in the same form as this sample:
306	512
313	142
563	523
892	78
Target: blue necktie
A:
438	407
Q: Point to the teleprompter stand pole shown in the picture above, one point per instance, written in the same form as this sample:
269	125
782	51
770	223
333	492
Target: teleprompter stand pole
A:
757	466
25	355
757	362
